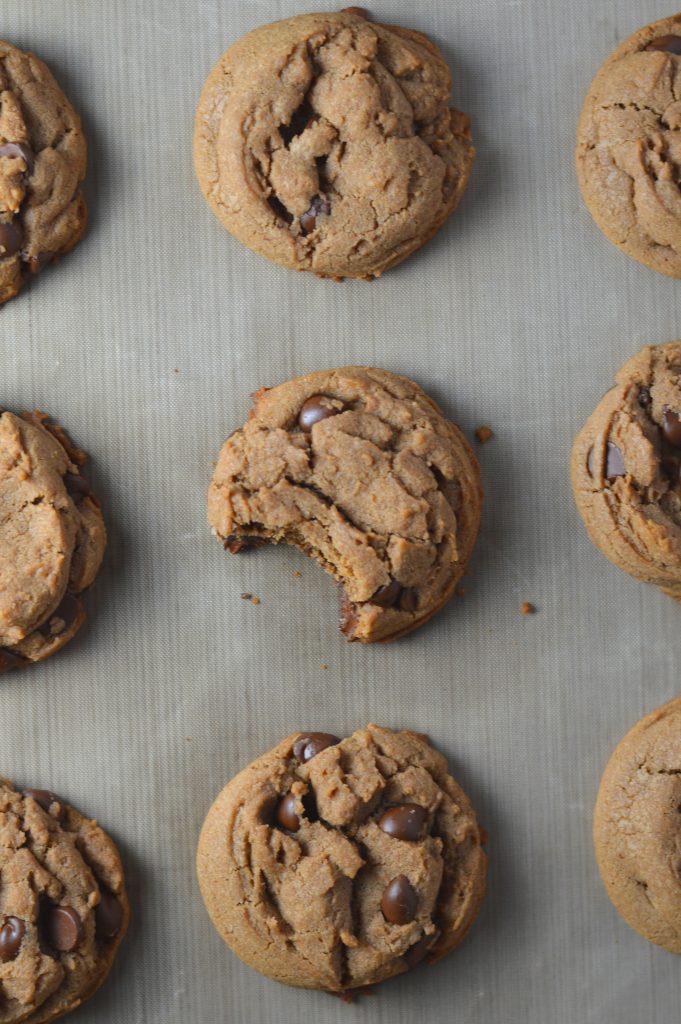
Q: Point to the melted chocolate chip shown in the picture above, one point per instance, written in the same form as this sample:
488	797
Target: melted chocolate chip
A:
667	44
409	599
417	952
318	207
404	822
11	936
286	813
386	597
9	660
11	238
644	397
21	150
314	410
45	798
671	428
309	744
61	928
399	902
614	463
108	916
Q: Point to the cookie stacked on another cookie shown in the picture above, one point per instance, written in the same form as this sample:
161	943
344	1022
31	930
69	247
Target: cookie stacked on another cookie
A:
626	469
63	906
359	469
52	539
337	863
629	148
326	143
636	827
42	164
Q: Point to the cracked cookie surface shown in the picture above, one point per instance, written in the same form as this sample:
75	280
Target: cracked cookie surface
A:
629	147
626	474
334	864
326	143
63	906
359	469
42	165
636	827
52	538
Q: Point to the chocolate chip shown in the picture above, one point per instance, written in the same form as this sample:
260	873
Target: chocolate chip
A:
405	821
644	397
409	599
314	410
309	744
9	660
236	544
359	12
45	798
108	916
671	428
77	486
19	149
286	813
11	935
399	902
66	614
386	597
667	44
11	238
417	952
308	220
61	928
614	463
348	618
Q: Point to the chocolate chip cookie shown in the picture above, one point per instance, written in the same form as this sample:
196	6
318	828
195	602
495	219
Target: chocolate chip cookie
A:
335	863
359	469
636	827
63	906
626	469
326	143
52	539
42	165
628	148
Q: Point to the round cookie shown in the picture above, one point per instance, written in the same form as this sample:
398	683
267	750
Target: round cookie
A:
626	469
326	143
42	164
63	906
636	827
334	864
52	539
359	469
629	148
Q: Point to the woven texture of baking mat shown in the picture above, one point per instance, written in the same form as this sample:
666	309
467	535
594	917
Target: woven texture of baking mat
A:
146	343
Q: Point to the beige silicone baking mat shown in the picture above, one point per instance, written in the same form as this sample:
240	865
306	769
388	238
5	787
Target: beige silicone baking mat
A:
146	343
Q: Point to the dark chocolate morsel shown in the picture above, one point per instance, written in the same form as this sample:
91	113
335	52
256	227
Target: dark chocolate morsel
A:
11	935
108	916
409	599
11	238
405	822
386	597
614	463
399	902
308	220
644	397
19	149
314	410
236	545
671	427
417	952
45	798
309	744
667	44
286	813
61	928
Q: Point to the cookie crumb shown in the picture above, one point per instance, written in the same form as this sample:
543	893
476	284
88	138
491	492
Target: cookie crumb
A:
255	600
247	597
527	609
483	434
297	574
323	667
